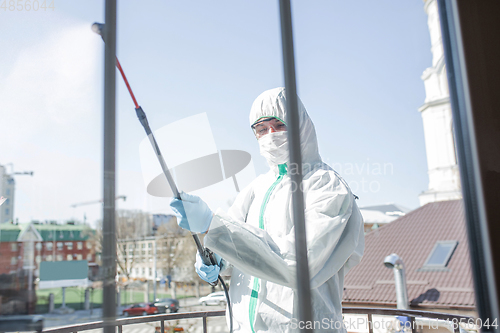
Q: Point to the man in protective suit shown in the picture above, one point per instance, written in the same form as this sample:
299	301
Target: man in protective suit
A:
256	236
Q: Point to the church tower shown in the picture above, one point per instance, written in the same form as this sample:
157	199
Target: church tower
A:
444	178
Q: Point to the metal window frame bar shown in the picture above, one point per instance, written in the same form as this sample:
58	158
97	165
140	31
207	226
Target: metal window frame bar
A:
468	162
293	134
109	171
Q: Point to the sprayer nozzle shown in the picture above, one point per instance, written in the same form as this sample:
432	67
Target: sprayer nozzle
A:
98	28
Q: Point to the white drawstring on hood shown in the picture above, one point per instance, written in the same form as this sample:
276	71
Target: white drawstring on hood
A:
272	103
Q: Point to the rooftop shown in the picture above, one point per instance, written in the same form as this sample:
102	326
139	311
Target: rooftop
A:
64	232
382	214
413	237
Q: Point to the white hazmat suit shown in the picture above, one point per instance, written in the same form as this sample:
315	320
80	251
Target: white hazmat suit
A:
256	236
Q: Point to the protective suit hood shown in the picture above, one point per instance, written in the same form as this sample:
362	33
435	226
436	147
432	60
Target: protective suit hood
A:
272	103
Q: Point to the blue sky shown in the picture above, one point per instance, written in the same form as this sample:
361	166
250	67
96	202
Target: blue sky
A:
358	71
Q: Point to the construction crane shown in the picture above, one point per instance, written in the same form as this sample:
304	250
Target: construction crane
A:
97	201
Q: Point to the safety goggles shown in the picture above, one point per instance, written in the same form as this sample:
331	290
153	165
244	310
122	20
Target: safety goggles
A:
268	125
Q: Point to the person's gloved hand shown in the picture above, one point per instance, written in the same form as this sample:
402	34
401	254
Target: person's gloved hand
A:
207	273
192	213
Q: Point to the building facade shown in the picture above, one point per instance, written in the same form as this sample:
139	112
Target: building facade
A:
137	258
444	177
156	258
26	246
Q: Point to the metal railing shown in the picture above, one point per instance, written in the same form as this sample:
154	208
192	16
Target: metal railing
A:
411	314
140	320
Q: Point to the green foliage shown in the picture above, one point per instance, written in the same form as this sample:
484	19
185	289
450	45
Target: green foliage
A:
75	298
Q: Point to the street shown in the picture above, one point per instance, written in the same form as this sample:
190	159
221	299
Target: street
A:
216	324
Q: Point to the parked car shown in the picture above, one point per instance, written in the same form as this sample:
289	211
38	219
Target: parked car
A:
167	305
140	309
169	329
217	298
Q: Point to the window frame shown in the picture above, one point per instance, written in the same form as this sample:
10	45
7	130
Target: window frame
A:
426	266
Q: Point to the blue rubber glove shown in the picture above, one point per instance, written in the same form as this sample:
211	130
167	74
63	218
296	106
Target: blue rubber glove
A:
192	213
207	273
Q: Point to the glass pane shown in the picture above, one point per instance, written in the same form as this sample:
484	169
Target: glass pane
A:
440	253
360	78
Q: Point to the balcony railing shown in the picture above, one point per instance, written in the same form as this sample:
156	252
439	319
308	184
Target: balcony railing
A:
369	312
162	318
453	319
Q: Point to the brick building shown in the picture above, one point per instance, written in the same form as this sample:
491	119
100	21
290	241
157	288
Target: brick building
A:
24	246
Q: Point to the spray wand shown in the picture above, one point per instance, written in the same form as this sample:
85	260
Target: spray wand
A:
206	255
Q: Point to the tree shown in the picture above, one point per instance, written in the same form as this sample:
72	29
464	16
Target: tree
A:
131	227
175	252
175	248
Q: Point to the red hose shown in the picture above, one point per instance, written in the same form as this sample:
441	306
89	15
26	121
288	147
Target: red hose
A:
126	83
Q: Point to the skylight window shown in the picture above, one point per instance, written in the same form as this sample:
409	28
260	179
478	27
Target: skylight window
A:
440	254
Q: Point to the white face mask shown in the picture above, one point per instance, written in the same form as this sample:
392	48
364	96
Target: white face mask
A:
274	147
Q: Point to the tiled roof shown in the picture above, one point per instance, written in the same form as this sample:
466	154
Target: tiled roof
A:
390	207
9	232
64	232
413	237
61	232
375	216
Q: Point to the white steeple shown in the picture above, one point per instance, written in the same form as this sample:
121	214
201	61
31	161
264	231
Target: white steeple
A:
444	178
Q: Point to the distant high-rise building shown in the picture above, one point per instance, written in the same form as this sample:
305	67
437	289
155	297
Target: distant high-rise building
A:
7	189
444	177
